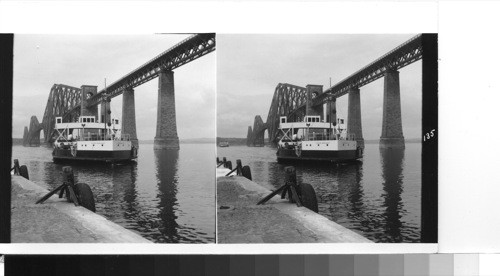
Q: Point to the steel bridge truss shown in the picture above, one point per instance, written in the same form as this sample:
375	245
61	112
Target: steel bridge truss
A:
290	100
62	99
401	56
183	52
287	97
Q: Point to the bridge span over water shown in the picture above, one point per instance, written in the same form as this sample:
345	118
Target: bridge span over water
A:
71	102
295	102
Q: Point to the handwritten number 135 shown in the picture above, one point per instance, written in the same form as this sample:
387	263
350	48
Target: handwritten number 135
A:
429	135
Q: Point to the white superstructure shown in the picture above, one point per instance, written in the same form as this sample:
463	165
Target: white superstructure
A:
316	140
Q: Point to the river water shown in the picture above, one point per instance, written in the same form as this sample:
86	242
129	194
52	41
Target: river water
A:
167	196
378	198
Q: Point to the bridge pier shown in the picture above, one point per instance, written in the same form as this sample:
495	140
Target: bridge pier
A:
249	137
166	126
354	116
106	112
312	92
331	109
392	129
88	91
128	116
26	136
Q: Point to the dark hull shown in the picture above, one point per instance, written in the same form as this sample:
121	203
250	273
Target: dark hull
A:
103	156
320	156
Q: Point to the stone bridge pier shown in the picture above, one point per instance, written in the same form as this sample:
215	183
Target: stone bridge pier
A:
87	91
128	116
313	91
106	111
354	116
392	127
166	125
331	111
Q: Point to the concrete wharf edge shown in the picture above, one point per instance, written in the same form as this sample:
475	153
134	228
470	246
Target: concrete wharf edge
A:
59	221
325	230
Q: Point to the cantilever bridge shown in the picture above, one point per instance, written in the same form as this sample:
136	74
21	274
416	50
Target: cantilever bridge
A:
295	102
70	102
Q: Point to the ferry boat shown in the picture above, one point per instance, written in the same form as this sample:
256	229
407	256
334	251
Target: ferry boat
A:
90	140
313	140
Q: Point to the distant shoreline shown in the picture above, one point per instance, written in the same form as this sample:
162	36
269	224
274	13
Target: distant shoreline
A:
243	141
19	141
232	141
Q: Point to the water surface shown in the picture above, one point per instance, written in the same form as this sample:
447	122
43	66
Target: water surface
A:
166	196
379	197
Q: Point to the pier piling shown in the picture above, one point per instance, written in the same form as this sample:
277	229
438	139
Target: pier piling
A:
16	166
238	166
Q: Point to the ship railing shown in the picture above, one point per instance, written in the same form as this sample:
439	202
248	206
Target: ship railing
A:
323	136
331	136
351	136
94	137
123	137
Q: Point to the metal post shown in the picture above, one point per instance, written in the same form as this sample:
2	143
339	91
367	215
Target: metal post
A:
238	167
69	178
291	181
16	166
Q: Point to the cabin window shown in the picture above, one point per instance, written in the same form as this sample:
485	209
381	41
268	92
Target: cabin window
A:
116	121
283	119
59	120
92	120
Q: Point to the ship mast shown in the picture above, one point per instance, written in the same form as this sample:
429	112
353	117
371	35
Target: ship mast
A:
105	109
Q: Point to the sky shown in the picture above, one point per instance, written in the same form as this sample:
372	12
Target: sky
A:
250	66
75	60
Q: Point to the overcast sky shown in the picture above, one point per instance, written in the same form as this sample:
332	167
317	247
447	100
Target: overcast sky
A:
249	67
43	60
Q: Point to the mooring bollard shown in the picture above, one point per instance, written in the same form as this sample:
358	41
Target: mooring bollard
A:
291	180
79	193
70	181
237	169
238	166
245	172
220	163
20	170
68	186
16	166
290	187
224	162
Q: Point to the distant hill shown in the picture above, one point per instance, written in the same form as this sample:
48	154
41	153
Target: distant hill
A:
243	141
411	140
186	141
233	141
19	141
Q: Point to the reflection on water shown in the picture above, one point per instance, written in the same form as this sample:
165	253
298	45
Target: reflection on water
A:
158	196
392	173
166	174
378	197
